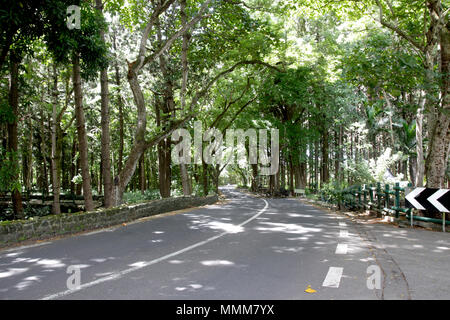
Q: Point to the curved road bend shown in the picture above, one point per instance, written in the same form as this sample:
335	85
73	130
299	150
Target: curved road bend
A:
247	248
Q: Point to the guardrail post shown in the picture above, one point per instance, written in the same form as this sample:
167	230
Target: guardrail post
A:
359	197
353	197
397	199
371	196
443	221
379	194
386	194
365	197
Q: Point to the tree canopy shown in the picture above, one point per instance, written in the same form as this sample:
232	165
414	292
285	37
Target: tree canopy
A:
359	91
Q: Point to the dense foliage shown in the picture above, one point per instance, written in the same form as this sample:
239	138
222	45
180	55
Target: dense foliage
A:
357	89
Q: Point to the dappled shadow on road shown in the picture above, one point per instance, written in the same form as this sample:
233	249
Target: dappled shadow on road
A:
19	271
226	217
290	228
420	242
302	228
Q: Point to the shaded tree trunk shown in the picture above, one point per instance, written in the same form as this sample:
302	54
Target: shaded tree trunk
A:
16	196
282	175
56	208
142	180
254	185
82	137
438	152
73	166
205	178
291	176
105	140
27	158
185	179
43	151
325	158
120	105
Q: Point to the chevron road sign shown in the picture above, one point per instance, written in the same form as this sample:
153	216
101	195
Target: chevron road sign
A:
429	199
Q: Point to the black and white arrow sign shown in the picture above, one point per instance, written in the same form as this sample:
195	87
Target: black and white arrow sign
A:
429	199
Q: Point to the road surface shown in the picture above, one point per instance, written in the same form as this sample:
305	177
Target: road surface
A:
245	248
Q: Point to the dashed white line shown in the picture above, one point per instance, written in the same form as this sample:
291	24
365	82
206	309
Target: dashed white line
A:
341	248
333	278
343	233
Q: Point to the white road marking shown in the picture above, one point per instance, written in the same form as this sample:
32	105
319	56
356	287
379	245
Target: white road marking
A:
341	248
333	277
342	224
26	247
119	274
343	233
98	231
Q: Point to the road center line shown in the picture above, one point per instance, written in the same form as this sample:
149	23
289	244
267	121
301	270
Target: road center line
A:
144	264
341	248
333	277
343	233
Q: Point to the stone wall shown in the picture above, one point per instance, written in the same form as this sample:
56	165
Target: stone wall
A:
46	227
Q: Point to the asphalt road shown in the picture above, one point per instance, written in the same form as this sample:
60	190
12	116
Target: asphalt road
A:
246	248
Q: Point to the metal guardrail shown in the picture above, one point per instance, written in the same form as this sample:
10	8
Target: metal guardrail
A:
388	200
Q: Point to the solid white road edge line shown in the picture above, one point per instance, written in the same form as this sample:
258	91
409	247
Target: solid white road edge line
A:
142	265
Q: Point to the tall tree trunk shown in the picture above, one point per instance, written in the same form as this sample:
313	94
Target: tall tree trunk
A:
297	176
120	105
142	180
316	165
276	181
216	175
56	208
282	175
185	179
291	175
412	169
325	158
302	174
205	178
340	156
73	166
254	184
106	140
420	162
165	175
43	152
82	137
12	131
27	159
438	153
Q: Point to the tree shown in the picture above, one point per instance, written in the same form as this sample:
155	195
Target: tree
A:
106	149
84	48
